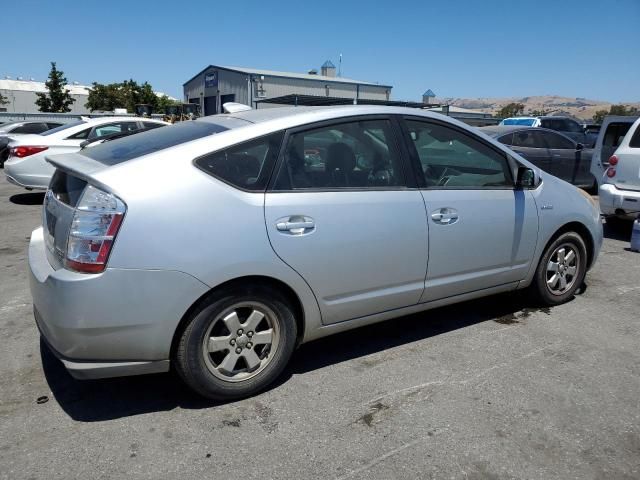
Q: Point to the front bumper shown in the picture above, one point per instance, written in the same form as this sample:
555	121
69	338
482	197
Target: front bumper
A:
119	322
613	201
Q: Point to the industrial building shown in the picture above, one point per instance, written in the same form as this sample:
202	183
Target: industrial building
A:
21	95
217	85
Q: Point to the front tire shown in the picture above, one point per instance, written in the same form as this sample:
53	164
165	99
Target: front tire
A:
561	270
237	343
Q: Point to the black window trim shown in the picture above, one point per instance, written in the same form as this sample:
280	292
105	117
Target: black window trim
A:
409	177
512	164
246	140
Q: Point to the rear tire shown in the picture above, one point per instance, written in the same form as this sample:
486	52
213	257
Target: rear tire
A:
237	343
561	270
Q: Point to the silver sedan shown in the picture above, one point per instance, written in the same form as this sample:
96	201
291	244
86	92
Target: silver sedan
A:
219	245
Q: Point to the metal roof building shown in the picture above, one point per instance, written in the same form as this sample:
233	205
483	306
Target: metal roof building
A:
216	85
21	95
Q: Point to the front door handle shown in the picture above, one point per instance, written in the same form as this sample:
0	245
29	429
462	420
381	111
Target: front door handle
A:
445	216
295	224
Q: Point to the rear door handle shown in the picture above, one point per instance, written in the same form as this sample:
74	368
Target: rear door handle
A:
295	224
445	216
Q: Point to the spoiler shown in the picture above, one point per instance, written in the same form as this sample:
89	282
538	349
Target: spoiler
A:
78	165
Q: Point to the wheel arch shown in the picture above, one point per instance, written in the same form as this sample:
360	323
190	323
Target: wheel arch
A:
581	230
246	282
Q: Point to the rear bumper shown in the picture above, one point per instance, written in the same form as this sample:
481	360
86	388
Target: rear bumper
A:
23	182
119	322
28	172
613	201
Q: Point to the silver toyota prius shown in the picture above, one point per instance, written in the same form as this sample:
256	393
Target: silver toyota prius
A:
218	246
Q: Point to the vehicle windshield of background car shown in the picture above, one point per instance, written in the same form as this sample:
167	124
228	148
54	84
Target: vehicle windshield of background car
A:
518	121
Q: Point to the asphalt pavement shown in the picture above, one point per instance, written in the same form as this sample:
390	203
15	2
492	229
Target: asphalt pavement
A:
488	389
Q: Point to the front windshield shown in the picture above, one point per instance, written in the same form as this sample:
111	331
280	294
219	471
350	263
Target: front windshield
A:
518	121
63	127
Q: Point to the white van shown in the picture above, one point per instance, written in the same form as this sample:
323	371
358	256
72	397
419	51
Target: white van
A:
620	188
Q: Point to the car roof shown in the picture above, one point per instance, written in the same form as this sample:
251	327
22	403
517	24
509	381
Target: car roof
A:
302	115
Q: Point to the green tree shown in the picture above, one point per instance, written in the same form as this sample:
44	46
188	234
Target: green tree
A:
622	110
57	99
126	94
598	117
511	110
163	102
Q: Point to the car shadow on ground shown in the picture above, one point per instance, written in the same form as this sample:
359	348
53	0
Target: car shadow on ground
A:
34	198
618	231
101	400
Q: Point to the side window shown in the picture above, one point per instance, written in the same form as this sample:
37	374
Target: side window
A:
571	126
635	140
81	135
558	141
453	159
31	128
529	139
51	125
111	128
359	154
506	139
247	165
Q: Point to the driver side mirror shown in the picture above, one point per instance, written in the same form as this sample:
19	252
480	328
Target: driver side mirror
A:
526	178
579	147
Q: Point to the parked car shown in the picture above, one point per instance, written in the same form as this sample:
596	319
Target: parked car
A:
610	136
551	151
219	245
619	193
20	128
26	165
565	125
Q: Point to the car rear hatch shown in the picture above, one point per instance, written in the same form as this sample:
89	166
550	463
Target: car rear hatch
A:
65	190
627	170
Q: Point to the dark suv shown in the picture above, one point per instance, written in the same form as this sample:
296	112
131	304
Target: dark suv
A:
569	127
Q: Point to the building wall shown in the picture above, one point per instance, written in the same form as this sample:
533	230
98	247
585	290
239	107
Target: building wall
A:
22	101
267	86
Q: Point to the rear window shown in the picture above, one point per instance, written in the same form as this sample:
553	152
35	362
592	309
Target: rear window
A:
63	127
123	149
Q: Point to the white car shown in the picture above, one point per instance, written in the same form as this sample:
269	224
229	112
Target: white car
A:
26	165
620	190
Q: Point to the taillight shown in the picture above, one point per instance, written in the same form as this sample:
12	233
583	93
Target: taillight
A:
95	225
26	150
613	161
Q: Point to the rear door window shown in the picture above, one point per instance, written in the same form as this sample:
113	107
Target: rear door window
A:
350	155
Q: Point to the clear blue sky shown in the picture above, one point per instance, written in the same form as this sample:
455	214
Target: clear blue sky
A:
483	48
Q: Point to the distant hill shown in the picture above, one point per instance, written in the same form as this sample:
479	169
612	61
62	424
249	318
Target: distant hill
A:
580	108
